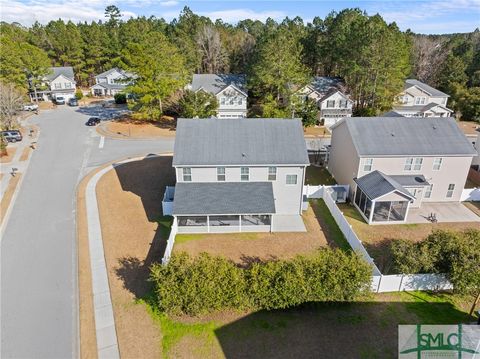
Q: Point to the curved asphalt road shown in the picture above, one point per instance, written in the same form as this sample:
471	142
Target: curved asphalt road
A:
38	289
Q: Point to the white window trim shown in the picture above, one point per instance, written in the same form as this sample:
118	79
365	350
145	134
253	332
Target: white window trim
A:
224	174
272	174
429	190
245	174
185	175
439	164
291	184
452	191
366	163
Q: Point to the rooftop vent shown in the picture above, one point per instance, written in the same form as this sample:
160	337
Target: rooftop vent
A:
244	155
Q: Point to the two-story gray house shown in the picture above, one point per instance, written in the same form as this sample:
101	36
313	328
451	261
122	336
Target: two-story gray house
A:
421	100
331	97
60	82
396	163
239	175
111	82
229	89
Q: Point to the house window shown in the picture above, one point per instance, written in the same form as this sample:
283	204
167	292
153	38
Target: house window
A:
420	100
330	103
367	165
68	85
187	174
343	104
220	174
57	85
272	173
244	173
428	191
413	164
239	100
437	163
451	188
222	100
232	100
291	179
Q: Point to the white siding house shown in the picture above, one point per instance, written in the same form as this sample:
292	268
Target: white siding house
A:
399	160
332	100
230	91
111	82
421	100
60	82
238	175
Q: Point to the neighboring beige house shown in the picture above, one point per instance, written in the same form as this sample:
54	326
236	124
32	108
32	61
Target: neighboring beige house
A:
111	82
421	100
230	91
330	95
238	175
394	163
60	83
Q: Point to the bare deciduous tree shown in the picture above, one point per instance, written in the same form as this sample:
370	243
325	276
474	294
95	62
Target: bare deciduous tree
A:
214	59
429	53
11	100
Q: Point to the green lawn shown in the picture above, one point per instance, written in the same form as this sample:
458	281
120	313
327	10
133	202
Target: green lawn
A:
318	176
369	326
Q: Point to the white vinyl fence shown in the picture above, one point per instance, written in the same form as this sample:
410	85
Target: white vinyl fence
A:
170	242
470	194
380	282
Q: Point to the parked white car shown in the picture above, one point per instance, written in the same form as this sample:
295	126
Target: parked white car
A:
30	107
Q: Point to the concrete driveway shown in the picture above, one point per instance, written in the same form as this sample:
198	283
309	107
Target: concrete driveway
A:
445	212
38	289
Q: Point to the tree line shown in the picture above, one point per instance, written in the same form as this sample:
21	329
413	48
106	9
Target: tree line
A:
372	56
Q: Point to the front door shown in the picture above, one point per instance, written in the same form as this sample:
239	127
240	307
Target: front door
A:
418	194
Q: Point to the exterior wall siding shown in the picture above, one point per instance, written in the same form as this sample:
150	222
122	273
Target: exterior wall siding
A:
288	198
453	170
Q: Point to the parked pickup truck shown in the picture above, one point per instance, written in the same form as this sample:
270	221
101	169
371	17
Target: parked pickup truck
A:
30	107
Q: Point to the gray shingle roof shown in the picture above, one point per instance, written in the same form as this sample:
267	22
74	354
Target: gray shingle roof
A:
108	72
244	141
407	136
410	180
323	84
214	83
391	114
377	184
66	71
432	91
223	198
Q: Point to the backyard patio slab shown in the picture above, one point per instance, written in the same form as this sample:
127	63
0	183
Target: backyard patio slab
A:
445	212
288	223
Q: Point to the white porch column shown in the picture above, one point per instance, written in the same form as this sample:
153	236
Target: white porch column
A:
208	224
240	223
370	217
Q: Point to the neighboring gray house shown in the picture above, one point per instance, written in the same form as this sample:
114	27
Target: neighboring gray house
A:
230	91
331	97
394	163
421	100
60	82
238	175
111	82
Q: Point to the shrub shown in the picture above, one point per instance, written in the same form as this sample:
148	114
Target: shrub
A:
79	94
205	283
120	98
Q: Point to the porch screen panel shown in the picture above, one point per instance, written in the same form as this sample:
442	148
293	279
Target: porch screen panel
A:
398	211
224	220
381	211
192	221
255	220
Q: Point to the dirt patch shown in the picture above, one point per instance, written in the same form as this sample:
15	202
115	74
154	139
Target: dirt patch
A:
9	156
25	153
45	105
316	131
469	127
138	129
7	196
377	238
244	248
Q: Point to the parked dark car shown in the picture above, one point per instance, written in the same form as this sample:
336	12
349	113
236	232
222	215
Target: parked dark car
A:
11	135
60	100
73	102
93	121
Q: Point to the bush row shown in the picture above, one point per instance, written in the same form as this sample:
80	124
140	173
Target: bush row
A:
205	283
